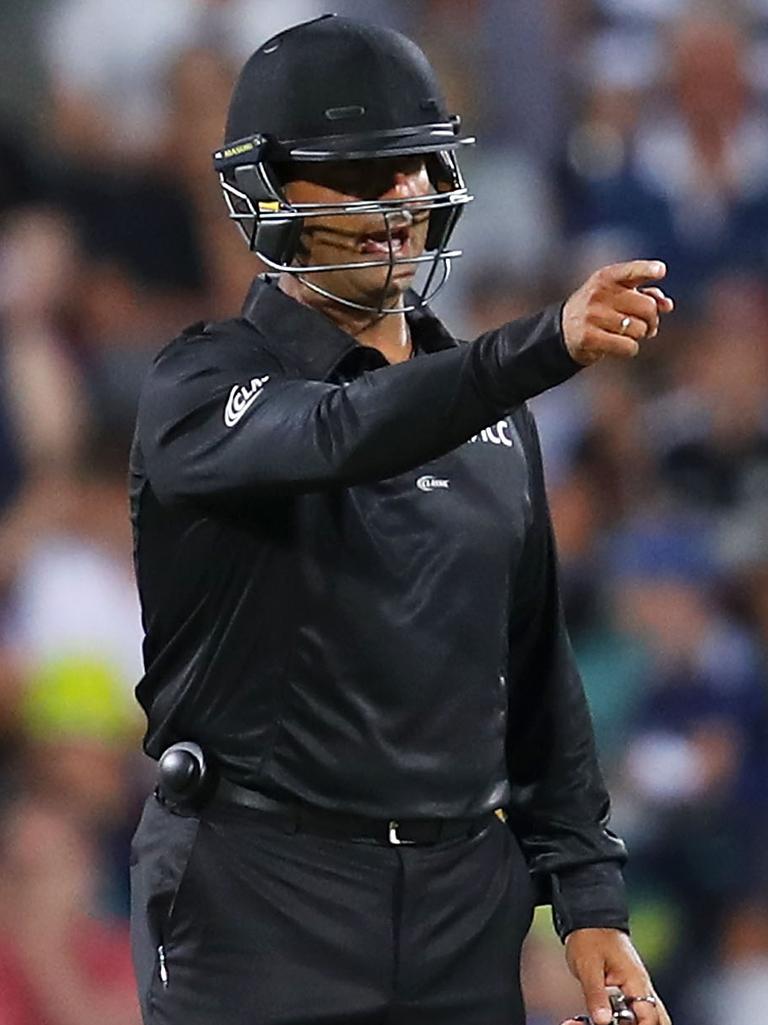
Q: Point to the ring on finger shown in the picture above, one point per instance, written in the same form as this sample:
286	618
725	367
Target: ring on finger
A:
648	999
625	324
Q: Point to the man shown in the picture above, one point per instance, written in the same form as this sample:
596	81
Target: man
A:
350	595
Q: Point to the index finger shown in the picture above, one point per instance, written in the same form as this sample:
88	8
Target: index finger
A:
635	271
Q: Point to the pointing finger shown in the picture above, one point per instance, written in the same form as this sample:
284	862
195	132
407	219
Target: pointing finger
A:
634	272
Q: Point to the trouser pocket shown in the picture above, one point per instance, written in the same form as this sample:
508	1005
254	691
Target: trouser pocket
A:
160	854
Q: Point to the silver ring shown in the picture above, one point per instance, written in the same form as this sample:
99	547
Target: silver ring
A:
625	322
649	999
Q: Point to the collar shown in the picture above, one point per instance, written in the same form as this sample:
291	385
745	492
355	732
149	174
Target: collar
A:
314	341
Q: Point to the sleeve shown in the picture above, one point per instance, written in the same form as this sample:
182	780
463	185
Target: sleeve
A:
221	418
559	808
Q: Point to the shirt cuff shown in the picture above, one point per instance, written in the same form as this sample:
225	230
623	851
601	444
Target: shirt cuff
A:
523	358
589	897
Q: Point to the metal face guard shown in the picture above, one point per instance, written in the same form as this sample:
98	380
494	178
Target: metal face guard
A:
273	222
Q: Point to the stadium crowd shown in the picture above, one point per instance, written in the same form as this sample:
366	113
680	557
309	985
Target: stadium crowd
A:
608	129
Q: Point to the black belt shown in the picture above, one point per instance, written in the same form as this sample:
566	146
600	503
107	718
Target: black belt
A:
302	818
186	785
307	819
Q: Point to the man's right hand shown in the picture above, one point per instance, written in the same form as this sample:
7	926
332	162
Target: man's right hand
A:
614	310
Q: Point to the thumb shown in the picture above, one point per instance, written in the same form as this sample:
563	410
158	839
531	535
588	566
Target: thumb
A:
595	994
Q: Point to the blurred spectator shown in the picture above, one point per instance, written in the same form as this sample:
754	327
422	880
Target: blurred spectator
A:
74	595
700	732
695	762
506	232
200	83
579	515
109	67
691	183
710	430
517	99
743	550
17	183
71	638
122	323
58	965
42	410
738	991
138	105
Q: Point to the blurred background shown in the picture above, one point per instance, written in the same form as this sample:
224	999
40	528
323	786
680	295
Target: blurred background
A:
608	129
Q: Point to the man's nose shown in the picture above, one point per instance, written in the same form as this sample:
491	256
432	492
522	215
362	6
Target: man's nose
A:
402	186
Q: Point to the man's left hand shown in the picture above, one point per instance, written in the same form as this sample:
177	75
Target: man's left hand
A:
607	957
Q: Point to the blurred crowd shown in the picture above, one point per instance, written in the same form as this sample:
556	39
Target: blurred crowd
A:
608	130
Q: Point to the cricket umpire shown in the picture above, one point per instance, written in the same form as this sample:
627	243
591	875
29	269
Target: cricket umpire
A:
355	651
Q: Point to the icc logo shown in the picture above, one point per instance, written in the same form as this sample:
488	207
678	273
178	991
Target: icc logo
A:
498	434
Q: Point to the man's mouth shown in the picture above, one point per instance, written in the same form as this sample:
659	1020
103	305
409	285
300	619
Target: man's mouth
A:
377	243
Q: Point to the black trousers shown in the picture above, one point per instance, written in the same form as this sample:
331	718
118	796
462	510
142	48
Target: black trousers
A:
237	922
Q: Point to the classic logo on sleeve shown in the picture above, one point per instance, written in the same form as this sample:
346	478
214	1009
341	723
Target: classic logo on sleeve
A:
241	398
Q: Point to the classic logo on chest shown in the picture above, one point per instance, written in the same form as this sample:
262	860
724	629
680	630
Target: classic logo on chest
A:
498	434
429	483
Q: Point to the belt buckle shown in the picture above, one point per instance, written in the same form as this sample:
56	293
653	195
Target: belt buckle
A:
393	825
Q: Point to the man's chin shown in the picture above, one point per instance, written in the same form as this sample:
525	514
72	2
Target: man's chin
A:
373	287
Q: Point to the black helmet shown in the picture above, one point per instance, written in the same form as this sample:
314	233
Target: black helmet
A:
337	89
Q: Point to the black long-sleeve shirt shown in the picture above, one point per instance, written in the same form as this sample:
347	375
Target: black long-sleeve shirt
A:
349	583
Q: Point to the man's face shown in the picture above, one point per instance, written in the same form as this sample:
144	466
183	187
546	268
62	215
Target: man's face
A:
354	239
